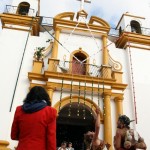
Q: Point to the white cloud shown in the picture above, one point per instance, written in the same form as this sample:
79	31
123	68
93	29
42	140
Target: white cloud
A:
109	10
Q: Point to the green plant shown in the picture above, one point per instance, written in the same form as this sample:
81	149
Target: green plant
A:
38	55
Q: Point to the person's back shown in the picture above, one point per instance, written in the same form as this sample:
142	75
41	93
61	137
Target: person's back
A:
34	125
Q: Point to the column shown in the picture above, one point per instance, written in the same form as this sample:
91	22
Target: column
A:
106	69
119	106
50	92
55	46
107	120
105	51
53	60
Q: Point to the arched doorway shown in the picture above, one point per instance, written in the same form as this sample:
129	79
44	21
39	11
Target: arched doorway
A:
72	128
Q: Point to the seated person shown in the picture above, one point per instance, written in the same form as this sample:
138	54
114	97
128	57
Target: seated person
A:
91	140
126	138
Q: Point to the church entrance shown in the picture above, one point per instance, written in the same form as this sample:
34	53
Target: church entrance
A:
72	127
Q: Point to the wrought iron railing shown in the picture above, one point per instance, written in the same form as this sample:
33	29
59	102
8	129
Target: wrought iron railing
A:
48	21
113	32
13	10
143	30
78	68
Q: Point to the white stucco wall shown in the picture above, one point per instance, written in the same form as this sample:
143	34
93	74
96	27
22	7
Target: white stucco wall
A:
12	48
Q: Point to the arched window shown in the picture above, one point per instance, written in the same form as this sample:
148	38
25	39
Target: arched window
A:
23	8
78	67
135	27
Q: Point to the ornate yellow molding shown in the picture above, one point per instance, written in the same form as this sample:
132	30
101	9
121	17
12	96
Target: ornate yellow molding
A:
4	144
65	101
24	21
99	20
65	15
132	38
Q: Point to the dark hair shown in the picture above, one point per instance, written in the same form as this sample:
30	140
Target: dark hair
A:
37	93
124	119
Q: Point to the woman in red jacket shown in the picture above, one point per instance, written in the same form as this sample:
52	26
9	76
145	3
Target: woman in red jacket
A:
34	124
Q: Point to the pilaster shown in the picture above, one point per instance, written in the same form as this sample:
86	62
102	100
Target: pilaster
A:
107	120
55	46
105	51
37	66
50	92
119	106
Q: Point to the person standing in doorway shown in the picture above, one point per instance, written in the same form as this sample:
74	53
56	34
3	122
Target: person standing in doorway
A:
34	124
70	146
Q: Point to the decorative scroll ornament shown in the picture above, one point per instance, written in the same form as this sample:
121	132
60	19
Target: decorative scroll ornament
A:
41	52
116	66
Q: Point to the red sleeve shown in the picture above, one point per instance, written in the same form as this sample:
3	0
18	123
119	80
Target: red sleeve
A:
15	127
51	132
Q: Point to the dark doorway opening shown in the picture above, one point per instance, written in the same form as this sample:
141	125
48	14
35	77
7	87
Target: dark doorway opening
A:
72	128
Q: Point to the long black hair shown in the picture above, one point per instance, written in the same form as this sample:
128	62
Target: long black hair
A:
37	93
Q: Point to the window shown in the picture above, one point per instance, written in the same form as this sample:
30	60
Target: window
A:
23	8
135	27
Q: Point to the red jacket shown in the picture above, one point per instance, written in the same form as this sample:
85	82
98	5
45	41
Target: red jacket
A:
35	131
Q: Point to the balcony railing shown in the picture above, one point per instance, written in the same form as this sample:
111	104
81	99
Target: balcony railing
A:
13	10
78	68
48	21
114	32
143	30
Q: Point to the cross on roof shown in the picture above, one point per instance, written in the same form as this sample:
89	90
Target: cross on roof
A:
82	3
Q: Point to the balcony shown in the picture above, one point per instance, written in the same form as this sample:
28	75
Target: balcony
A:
14	10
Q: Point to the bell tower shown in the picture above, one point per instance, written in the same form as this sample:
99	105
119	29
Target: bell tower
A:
22	15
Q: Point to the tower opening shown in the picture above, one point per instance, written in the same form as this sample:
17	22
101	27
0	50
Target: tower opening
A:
23	8
71	128
135	27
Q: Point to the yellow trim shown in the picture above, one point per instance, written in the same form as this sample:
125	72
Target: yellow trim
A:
105	50
4	144
139	47
69	23
55	45
65	101
98	20
132	38
26	21
119	106
64	15
107	120
81	13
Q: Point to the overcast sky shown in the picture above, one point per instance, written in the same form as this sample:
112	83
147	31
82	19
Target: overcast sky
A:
109	10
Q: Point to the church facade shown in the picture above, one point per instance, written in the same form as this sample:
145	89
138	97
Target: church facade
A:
81	64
